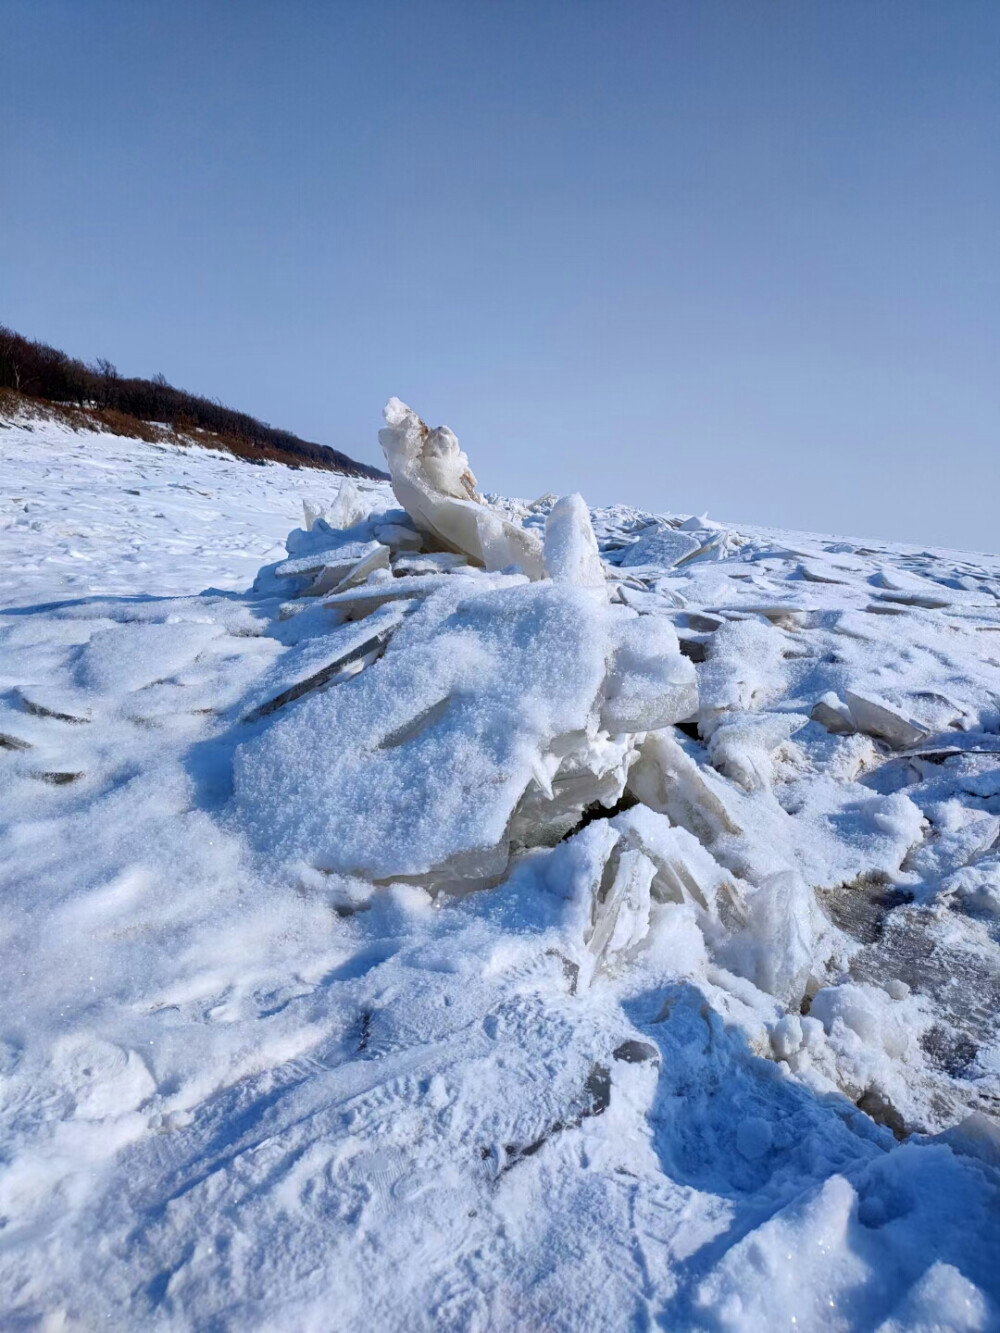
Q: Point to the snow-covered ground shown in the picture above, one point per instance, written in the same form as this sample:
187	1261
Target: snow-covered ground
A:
385	959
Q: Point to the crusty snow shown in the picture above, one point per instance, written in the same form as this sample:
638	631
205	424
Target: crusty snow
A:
391	944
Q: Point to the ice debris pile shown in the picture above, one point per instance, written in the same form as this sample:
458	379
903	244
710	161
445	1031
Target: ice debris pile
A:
502	915
495	709
504	688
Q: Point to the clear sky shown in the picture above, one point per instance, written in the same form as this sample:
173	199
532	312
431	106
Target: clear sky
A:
734	255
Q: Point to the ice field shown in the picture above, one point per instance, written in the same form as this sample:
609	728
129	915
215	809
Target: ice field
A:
419	913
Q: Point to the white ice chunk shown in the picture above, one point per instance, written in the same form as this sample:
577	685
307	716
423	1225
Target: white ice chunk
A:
311	511
786	1036
340	557
784	924
606	878
341	567
743	670
571	554
742	745
428	562
621	906
818	571
334	576
700	523
355	603
959	835
833	714
879	719
901	580
350	506
415	767
650	684
314	662
978	1135
506	545
320	537
669	781
580	770
397	537
977	886
104	1080
866	1029
800	1259
685	870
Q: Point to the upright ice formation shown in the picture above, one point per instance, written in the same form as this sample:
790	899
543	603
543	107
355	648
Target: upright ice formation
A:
350	507
571	554
432	480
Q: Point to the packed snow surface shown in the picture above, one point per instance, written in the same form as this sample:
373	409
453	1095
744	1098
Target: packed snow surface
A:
477	915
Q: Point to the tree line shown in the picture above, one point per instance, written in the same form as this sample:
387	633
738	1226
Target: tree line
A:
39	371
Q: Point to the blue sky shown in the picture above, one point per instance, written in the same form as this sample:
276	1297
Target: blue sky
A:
740	257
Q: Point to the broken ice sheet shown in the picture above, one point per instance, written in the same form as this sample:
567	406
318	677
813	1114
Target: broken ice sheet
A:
416	765
312	663
661	548
878	719
742	746
482	722
324	571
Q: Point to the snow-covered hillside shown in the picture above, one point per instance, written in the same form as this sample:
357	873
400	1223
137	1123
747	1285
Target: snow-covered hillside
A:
393	944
